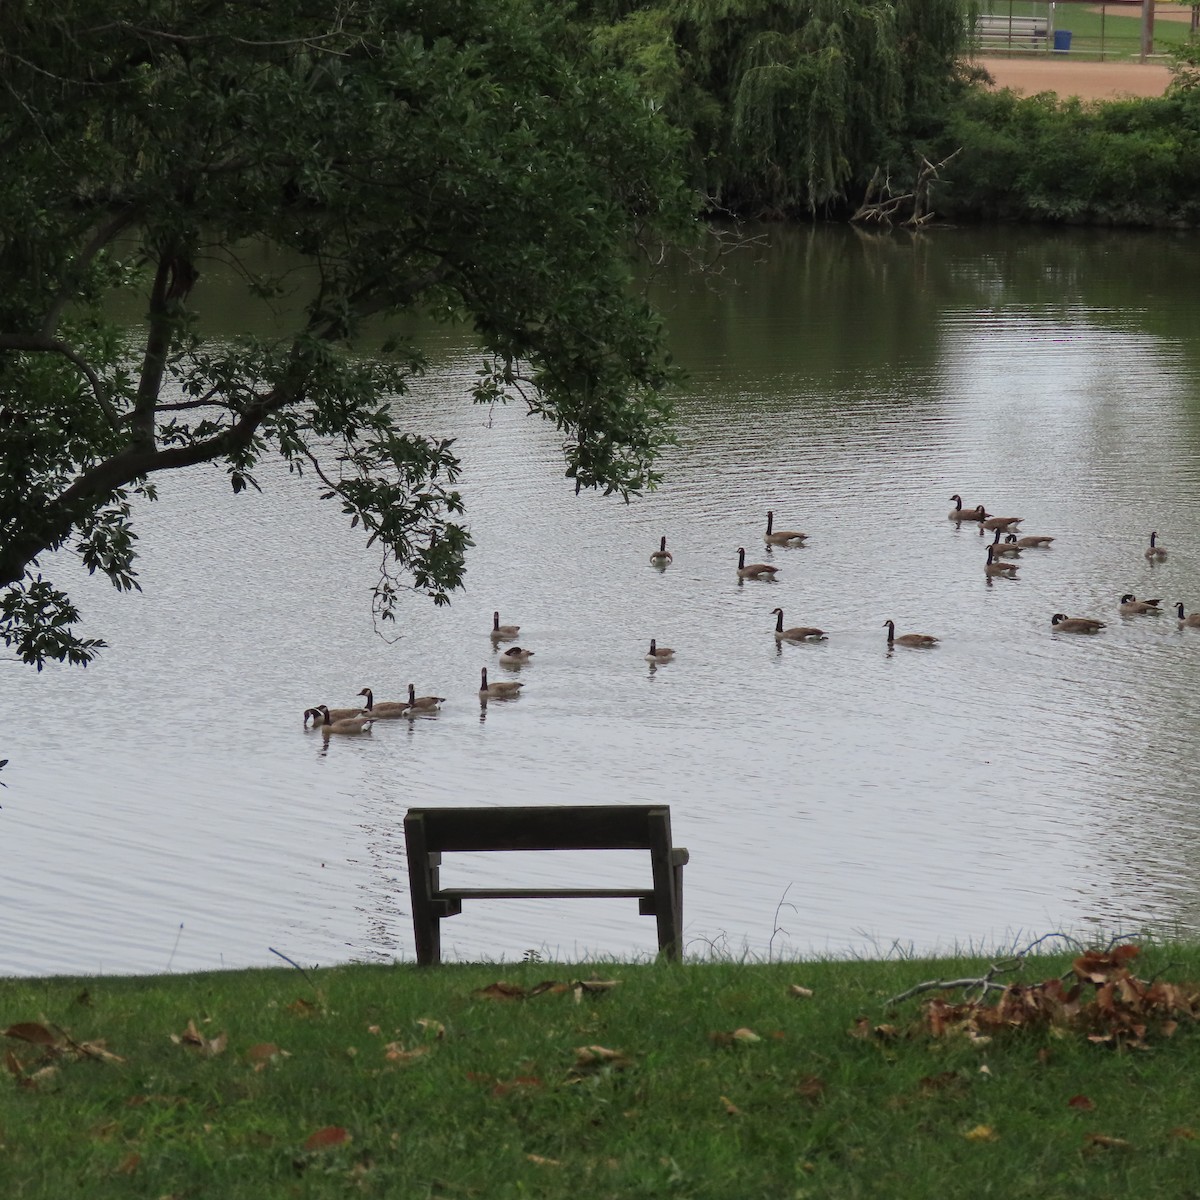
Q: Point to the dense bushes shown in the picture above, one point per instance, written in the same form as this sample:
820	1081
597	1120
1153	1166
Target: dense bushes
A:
1129	162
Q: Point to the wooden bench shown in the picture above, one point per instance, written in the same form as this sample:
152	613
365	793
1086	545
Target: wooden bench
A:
997	31
431	832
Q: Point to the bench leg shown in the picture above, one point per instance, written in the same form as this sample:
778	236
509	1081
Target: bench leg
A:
422	884
668	886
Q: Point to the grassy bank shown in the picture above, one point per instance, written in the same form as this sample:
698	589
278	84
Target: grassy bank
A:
713	1080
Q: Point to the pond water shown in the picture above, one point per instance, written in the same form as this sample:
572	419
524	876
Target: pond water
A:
166	810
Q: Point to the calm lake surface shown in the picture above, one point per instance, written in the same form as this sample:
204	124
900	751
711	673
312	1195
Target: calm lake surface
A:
166	810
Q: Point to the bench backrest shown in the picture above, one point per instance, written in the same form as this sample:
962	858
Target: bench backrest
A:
579	827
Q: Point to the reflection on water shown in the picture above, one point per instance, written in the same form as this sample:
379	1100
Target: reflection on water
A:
1012	780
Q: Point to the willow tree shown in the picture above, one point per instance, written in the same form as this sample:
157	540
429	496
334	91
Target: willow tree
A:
472	158
792	104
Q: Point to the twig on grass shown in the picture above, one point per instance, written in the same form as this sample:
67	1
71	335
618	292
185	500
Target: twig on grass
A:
292	962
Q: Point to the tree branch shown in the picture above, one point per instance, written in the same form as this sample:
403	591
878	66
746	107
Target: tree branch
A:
49	345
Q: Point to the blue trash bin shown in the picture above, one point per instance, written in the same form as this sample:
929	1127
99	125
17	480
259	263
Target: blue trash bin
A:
1062	41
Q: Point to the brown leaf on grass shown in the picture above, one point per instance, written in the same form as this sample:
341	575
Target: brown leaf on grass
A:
982	1133
44	1075
31	1031
731	1109
592	1058
431	1027
811	1087
302	1008
97	1050
800	993
128	1164
13	1064
733	1037
861	1028
261	1053
597	985
191	1036
395	1052
1081	1102
1096	966
326	1138
1104	1141
500	991
1183	1133
540	1161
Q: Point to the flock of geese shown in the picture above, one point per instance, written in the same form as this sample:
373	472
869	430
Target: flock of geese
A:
1005	546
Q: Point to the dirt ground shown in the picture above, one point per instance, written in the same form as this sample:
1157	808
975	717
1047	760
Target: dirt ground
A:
1087	80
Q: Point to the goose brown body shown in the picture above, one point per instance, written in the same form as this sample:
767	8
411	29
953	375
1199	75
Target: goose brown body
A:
515	655
797	633
1027	543
994	567
337	714
959	513
1131	606
1191	621
908	639
1155	552
781	537
503	633
659	654
1005	523
1076	624
747	570
422	703
662	555
501	689
384	710
348	725
1008	548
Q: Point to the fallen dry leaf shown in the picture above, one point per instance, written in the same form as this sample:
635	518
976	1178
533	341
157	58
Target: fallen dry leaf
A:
395	1052
1182	1132
518	1084
432	1027
595	1057
326	1138
811	1087
1081	1102
128	1164
731	1109
800	993
13	1064
31	1031
261	1053
982	1133
1106	1142
540	1161
302	1007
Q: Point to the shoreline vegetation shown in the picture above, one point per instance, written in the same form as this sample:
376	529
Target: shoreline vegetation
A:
873	111
1055	1075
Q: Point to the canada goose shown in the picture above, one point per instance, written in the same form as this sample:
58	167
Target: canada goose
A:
502	689
908	639
348	725
659	654
1008	547
797	633
336	714
385	710
994	567
1192	621
753	570
966	514
1156	553
662	555
515	655
1027	542
1076	624
1004	523
503	633
422	703
781	537
1131	606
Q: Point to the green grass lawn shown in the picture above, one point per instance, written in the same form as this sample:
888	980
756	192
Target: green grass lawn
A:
692	1080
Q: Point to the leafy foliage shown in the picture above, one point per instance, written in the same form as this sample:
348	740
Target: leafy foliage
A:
473	158
1130	162
791	104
